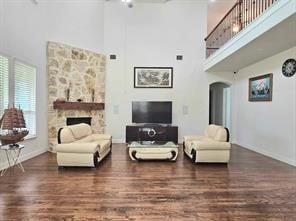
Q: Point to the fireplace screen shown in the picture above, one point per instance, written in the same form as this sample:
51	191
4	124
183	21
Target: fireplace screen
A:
78	120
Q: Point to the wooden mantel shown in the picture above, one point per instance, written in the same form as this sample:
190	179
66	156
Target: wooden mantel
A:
65	105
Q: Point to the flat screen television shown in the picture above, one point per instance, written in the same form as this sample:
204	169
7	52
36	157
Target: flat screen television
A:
154	112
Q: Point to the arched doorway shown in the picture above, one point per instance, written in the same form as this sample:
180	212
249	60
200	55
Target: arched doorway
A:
220	104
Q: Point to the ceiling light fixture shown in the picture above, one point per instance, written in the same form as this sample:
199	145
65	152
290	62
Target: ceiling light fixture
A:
128	2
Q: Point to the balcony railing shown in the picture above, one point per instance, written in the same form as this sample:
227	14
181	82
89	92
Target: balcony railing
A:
236	19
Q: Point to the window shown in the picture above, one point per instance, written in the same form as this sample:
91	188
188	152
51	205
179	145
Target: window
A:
22	91
25	93
4	83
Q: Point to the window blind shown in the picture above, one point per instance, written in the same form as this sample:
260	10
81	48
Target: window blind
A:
25	93
4	84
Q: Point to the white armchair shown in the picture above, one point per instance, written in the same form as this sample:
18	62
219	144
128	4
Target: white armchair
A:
78	146
213	146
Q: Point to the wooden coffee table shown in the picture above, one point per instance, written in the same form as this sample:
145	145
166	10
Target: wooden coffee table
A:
147	150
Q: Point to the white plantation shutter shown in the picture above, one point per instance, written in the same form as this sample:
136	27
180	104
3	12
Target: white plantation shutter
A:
4	83
25	93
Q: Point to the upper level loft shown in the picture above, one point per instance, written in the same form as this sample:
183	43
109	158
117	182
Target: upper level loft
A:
250	31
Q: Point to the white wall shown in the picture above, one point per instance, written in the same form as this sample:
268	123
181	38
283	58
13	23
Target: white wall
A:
152	35
267	127
26	27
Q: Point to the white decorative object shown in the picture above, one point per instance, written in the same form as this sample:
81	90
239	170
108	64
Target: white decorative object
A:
213	146
147	150
79	146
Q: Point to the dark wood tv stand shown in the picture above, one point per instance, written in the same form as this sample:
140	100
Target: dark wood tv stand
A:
151	132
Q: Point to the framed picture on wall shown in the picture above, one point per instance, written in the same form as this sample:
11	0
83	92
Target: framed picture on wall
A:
260	88
153	77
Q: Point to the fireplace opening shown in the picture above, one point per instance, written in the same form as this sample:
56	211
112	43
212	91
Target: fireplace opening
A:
78	120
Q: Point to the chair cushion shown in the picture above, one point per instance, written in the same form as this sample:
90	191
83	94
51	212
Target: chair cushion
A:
101	136
192	137
93	138
80	130
66	135
212	133
87	139
101	144
221	135
211	130
210	145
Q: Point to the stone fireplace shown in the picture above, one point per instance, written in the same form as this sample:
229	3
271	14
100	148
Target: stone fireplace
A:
77	74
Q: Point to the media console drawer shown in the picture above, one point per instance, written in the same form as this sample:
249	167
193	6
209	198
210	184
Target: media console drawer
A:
151	133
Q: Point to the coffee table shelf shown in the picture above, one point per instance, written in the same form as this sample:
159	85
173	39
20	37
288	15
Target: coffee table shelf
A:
140	151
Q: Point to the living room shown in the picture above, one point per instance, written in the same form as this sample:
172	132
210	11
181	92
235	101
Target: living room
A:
122	36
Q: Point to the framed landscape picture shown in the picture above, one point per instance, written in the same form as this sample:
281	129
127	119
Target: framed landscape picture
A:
153	77
260	88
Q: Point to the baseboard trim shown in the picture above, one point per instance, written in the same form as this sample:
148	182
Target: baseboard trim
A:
25	157
268	154
118	140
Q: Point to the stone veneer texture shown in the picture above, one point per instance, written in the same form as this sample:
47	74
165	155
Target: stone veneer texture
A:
81	71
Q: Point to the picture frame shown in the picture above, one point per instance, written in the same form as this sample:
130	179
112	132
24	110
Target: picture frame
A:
153	77
260	88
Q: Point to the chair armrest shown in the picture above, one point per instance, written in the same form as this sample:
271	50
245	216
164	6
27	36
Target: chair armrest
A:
77	148
101	136
192	138
211	145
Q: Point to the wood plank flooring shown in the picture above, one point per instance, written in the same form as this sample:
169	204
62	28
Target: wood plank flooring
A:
251	187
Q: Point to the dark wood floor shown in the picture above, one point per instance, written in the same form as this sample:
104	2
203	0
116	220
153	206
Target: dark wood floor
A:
252	187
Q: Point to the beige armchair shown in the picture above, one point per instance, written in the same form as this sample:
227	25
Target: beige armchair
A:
213	146
78	146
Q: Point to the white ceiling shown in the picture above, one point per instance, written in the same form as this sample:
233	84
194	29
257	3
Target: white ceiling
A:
278	39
